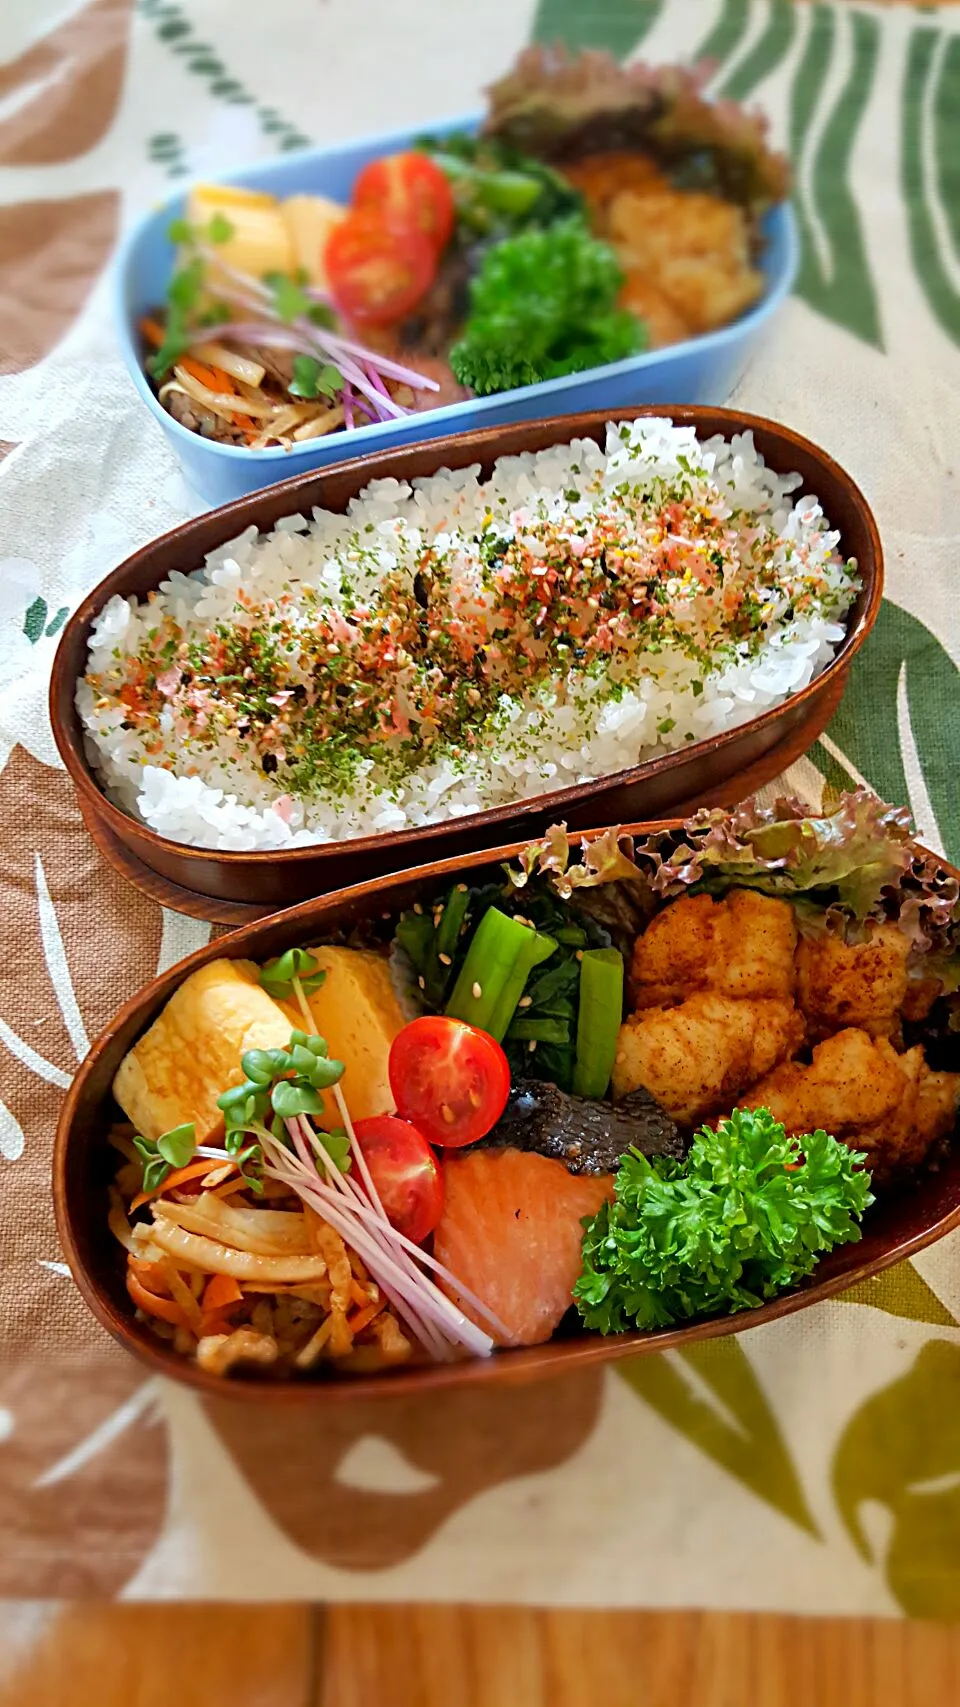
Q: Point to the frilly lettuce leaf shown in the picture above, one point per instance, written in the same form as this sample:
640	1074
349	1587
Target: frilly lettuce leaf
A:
853	865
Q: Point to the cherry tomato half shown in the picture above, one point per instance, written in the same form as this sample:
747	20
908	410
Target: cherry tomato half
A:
377	272
405	1172
449	1078
412	191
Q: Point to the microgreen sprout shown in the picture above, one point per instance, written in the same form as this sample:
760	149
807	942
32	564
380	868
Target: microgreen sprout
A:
290	300
312	378
279	1084
161	1155
295	973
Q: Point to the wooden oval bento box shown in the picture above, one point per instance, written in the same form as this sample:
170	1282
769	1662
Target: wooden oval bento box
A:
899	1224
220	886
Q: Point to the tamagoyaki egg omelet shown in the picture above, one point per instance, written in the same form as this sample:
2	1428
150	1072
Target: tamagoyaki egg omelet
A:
359	1013
192	1051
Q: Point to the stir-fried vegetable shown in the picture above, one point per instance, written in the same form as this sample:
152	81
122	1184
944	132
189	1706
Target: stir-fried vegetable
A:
256	358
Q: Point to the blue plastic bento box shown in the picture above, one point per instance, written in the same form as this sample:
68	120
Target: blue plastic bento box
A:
702	370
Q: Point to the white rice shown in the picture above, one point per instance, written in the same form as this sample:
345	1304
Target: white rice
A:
222	799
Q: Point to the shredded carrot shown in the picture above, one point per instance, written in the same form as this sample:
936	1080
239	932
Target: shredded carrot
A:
152	331
214	1322
151	1305
213	378
362	1318
152	1275
180	1176
221	1291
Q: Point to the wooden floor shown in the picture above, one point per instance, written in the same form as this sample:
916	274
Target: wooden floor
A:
293	1656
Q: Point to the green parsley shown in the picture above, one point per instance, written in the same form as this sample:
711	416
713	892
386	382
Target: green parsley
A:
744	1216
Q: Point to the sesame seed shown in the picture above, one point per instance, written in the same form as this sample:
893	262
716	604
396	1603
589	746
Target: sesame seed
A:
417	907
476	991
422	982
525	1001
445	960
531	1046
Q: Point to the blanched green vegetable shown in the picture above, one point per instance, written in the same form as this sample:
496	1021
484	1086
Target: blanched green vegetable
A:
598	1020
499	961
497	189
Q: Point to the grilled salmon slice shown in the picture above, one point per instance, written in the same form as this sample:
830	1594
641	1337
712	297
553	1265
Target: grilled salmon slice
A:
511	1232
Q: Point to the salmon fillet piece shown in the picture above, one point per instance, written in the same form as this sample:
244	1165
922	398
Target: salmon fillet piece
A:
510	1231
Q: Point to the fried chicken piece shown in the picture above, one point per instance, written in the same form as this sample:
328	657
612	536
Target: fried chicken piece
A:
699	1056
664	323
921	994
742	946
864	985
938	1107
601	178
693	246
861	1090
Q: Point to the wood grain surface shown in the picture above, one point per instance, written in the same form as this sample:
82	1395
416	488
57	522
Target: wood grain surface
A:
419	1656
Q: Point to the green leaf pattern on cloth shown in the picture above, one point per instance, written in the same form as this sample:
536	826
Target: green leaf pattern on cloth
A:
711	1394
617	25
768	51
175	31
726	35
931	168
838	284
844	1416
899	726
901	1291
901	1452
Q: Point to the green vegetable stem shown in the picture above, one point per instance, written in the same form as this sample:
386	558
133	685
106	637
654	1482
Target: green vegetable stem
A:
499	961
598	1020
744	1216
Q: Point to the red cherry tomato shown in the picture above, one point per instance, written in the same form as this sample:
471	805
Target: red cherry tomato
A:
377	272
411	191
405	1172
449	1078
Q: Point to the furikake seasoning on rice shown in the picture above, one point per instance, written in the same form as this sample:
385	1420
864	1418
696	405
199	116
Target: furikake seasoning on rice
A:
455	644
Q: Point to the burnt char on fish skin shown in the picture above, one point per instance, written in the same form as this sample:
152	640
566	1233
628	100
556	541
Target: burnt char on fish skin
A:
588	1136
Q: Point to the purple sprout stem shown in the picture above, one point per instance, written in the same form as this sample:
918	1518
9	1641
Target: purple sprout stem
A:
369	1206
403	1292
385	364
378	1236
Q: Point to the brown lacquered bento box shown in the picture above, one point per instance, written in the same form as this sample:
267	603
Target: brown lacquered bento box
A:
220	886
897	1226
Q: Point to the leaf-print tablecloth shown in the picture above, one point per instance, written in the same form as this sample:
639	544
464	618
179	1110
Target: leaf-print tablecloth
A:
813	1465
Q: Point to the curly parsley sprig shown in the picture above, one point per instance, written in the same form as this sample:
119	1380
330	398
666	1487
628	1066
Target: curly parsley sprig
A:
746	1215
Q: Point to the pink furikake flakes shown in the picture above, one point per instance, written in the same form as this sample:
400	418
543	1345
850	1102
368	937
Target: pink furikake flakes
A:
446	648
